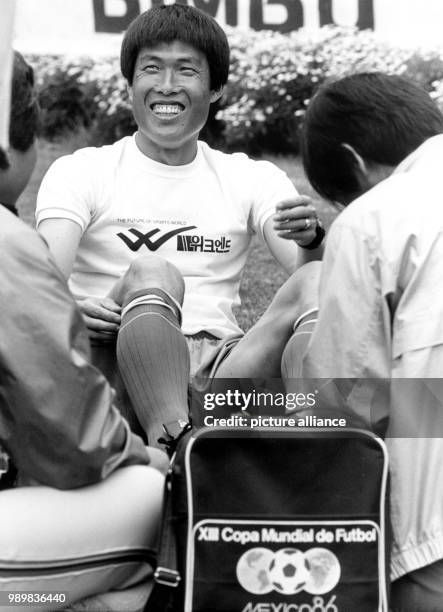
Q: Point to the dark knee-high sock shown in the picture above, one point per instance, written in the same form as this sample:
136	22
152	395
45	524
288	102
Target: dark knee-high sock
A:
154	363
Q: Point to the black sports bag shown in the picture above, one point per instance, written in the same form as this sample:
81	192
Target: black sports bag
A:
272	520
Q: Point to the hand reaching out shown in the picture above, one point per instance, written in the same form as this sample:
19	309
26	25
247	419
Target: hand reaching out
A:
101	316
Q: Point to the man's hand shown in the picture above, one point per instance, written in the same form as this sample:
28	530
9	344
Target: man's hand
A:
296	219
101	316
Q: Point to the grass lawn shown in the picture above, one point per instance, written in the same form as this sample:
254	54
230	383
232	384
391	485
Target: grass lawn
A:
262	276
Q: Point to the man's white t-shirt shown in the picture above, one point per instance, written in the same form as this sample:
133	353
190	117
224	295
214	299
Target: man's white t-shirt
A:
200	217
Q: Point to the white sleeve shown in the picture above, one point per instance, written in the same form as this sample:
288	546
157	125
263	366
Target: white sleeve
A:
348	358
352	335
66	192
269	186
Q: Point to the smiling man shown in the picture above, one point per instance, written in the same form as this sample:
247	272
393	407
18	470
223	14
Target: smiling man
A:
107	213
170	95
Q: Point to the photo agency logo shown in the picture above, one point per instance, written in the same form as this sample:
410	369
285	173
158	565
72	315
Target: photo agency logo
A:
289	571
236	399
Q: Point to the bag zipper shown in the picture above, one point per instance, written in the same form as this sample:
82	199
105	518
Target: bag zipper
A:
44	568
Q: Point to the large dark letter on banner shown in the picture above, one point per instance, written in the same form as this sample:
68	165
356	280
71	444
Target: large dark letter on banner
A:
211	7
231	9
112	23
294	10
207	6
325	12
365	13
162	2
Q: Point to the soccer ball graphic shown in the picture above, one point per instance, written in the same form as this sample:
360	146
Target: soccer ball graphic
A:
289	571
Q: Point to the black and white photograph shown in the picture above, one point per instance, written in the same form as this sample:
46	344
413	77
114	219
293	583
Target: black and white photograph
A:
221	355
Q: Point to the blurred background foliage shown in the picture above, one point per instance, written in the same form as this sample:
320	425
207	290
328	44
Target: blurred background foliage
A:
273	77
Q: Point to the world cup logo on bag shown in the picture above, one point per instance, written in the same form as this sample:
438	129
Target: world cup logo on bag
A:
288	571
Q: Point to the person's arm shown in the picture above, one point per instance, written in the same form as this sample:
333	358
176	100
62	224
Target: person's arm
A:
101	316
58	421
65	206
348	357
349	339
62	237
278	215
286	244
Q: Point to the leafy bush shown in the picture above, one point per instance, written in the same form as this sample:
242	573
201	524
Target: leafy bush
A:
273	76
66	102
273	79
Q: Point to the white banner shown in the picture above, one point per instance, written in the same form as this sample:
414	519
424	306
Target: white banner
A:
96	26
6	30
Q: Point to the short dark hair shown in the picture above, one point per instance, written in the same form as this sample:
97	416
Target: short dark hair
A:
164	24
383	117
24	110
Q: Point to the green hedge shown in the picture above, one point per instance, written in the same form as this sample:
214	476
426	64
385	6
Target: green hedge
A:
273	76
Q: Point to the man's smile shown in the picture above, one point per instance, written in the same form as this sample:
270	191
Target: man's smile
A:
167	110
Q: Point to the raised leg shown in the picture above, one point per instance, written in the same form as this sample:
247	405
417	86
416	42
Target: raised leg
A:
152	353
259	353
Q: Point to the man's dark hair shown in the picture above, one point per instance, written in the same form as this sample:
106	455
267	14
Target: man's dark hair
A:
164	24
384	118
24	111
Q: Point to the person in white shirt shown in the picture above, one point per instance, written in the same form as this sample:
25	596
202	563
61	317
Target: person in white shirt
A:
163	195
374	144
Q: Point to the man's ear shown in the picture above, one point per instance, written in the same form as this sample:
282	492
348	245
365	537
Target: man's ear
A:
216	94
129	90
358	159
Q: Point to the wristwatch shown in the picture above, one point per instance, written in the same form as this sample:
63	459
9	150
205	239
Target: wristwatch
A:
318	238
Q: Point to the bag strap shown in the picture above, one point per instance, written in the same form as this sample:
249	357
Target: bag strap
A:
166	576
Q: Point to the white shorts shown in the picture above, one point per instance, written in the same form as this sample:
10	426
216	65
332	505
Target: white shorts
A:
208	352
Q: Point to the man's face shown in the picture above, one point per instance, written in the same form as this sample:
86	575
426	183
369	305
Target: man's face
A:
170	97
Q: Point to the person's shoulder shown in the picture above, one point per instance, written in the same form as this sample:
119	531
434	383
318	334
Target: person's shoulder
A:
222	158
379	211
381	200
91	159
241	164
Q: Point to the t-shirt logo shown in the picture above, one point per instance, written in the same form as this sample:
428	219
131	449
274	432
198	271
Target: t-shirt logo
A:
145	239
203	244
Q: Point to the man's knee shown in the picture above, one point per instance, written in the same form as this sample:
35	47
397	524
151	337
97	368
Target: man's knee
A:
302	285
153	271
298	294
147	272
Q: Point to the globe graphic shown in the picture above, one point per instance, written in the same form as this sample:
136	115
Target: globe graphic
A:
252	570
324	569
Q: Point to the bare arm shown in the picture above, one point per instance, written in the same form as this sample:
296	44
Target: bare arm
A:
286	233
101	316
62	237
